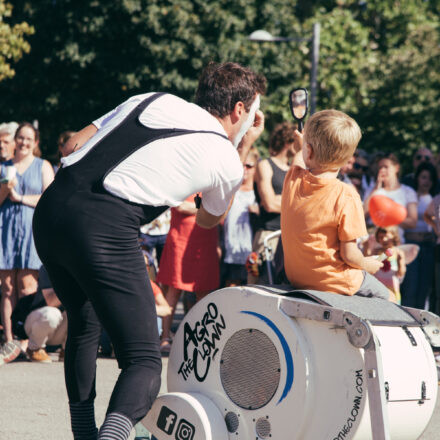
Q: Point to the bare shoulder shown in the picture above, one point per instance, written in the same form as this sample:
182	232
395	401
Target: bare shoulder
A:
264	169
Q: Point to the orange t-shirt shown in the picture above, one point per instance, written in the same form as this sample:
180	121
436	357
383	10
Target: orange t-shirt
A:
316	215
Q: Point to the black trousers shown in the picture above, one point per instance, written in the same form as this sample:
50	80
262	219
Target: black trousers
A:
88	241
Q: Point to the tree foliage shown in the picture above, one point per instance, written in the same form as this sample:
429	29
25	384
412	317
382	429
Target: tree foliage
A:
379	59
12	41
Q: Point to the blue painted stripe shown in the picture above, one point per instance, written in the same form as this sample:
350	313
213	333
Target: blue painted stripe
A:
286	349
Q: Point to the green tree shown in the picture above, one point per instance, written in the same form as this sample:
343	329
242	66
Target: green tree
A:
378	59
12	41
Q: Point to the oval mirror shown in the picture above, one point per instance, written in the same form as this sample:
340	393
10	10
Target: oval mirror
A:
299	105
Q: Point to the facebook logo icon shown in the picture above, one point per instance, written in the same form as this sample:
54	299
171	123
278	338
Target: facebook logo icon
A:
167	420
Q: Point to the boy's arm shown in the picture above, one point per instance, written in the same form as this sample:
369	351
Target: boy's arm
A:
298	159
353	256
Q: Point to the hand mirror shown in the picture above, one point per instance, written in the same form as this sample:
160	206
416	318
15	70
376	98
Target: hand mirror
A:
299	105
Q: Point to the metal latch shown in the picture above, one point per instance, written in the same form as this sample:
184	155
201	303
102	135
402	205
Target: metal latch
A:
387	391
422	400
410	335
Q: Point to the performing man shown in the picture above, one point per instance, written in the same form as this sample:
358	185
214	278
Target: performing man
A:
125	169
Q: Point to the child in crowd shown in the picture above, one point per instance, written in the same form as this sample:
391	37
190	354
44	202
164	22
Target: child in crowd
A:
322	217
394	266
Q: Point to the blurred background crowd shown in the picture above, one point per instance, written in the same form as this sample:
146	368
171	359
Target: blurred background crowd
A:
187	262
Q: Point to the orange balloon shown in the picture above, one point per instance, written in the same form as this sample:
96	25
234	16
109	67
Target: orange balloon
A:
385	211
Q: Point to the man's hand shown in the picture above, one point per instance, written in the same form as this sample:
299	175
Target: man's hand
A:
251	135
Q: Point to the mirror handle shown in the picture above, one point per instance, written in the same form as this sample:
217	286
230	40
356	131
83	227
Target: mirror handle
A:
300	126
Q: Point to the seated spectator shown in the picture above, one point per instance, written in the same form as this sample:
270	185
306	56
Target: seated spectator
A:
419	280
41	319
269	180
322	217
7	141
237	230
387	184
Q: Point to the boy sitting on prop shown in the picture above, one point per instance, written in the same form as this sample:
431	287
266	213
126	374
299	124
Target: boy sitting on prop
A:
322	217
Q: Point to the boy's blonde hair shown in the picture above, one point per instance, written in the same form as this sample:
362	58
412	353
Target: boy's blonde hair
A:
333	135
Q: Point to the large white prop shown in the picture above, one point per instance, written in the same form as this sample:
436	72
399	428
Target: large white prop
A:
257	363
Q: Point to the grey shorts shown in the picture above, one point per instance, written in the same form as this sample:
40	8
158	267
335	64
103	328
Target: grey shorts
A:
372	287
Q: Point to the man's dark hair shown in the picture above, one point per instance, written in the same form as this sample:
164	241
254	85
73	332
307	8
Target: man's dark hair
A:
221	86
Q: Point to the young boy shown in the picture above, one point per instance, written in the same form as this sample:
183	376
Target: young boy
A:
321	217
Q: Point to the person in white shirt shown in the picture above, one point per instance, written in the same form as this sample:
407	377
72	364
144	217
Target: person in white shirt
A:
387	184
124	170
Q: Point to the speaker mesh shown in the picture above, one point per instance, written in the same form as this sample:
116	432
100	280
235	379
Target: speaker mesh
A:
263	427
250	368
232	422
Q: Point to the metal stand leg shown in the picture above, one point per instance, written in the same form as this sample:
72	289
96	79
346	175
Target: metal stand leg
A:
376	390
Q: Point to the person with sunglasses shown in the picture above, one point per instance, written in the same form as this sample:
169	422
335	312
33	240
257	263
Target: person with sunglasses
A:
422	155
269	179
237	228
360	175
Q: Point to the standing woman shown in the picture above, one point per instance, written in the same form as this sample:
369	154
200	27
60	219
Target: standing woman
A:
419	280
19	262
190	262
387	184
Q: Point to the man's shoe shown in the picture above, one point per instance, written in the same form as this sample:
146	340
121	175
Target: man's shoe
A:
38	355
8	352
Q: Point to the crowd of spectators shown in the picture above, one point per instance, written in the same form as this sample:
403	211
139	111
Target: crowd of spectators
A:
182	257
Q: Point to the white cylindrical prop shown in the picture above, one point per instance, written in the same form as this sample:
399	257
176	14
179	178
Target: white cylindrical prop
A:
275	376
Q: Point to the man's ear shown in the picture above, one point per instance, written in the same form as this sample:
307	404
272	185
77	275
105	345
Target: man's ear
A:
237	112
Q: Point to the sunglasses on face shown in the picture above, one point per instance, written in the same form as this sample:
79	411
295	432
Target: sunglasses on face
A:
422	156
248	166
358	166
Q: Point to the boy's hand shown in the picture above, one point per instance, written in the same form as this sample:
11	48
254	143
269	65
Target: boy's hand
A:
372	264
297	141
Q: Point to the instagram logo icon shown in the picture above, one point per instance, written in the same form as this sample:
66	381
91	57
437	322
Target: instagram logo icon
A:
185	431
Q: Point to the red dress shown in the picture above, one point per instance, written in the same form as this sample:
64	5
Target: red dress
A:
189	259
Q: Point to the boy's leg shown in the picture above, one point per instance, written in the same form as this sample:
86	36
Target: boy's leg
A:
372	287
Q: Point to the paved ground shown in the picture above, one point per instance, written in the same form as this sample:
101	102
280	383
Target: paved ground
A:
33	403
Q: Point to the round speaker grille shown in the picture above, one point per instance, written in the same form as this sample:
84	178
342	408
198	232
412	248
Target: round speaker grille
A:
250	369
232	422
263	427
